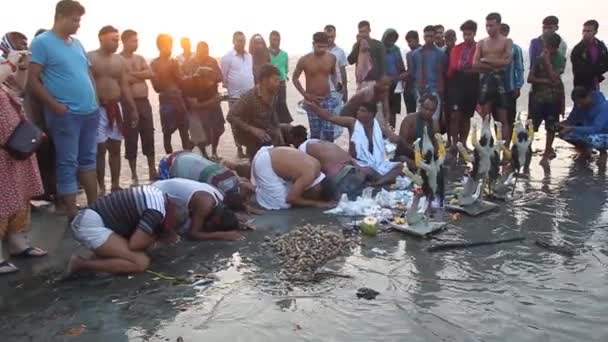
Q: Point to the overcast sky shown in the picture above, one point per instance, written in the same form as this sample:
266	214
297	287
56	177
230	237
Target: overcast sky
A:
215	21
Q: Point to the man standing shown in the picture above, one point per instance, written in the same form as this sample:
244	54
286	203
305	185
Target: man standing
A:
514	80
428	70
550	25
166	80
342	62
186	54
319	68
368	55
409	93
60	77
589	58
109	72
254	115
280	59
450	41
463	86
138	71
492	56
237	69
440	37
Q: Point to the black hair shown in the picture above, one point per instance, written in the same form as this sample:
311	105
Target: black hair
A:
266	71
494	16
39	32
363	23
429	97
274	33
581	92
469	25
412	35
439	27
328	189
429	28
298	131
164	38
551	20
553	40
222	219
127	34
107	29
505	28
66	8
320	38
450	32
234	200
330	27
592	23
236	34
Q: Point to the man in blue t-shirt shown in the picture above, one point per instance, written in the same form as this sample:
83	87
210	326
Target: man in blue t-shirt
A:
59	76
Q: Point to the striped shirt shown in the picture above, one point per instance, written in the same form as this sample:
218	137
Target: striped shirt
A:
126	210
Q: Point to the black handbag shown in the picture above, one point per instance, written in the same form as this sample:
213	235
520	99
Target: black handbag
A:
24	141
25	138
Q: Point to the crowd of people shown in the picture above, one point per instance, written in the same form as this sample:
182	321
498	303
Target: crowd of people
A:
89	102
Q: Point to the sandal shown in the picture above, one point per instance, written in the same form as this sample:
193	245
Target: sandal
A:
30	252
7	268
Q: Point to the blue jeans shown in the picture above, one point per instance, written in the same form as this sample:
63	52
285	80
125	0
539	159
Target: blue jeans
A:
75	146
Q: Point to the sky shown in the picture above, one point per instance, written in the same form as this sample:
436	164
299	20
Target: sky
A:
215	21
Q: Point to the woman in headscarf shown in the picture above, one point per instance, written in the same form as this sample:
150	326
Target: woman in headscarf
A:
395	70
19	179
259	52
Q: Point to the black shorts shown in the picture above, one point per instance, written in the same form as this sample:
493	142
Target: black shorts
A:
547	112
510	107
145	129
462	94
492	90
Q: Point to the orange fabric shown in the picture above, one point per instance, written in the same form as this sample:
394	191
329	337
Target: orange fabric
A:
16	223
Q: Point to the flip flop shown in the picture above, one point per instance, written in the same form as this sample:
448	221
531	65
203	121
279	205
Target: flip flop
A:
7	268
30	252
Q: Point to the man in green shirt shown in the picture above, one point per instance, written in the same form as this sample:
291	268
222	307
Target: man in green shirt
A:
279	59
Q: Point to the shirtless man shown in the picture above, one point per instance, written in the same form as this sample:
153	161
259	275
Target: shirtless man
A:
492	57
286	177
338	165
375	92
366	142
138	71
109	72
318	67
412	129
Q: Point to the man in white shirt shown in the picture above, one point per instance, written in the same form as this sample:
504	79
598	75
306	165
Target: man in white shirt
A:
237	69
341	61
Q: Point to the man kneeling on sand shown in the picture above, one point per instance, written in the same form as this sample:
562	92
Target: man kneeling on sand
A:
367	142
286	177
200	212
119	227
235	190
347	176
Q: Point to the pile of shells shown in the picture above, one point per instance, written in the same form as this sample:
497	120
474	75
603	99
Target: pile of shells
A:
306	249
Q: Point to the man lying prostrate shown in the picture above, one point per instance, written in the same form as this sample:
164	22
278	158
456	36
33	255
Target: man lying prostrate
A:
412	128
193	166
119	227
286	177
199	211
366	141
587	125
338	165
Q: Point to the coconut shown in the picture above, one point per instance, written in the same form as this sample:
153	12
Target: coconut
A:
369	226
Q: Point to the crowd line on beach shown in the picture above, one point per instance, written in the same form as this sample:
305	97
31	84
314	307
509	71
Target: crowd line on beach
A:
88	103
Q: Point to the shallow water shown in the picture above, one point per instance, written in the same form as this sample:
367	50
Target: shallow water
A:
509	292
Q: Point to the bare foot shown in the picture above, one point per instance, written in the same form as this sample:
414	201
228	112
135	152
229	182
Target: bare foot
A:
74	264
134	182
544	161
116	188
152	175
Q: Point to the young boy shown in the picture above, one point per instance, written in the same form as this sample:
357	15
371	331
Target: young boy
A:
547	89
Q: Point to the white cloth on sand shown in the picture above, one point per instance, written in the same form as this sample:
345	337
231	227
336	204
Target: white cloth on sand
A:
270	189
303	147
377	160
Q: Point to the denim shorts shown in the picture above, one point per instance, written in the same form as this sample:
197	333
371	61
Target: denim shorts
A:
75	137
